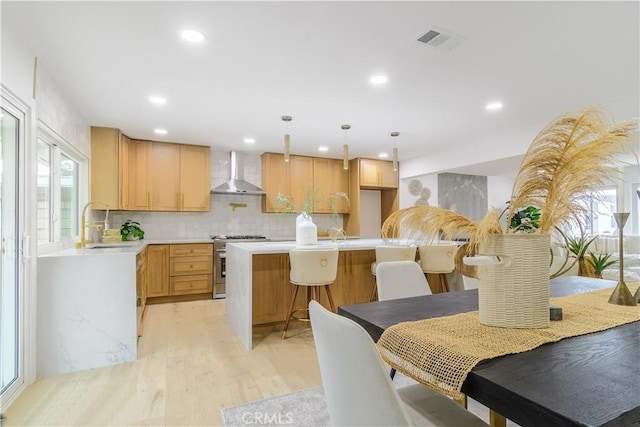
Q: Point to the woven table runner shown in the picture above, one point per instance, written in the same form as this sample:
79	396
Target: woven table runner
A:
440	352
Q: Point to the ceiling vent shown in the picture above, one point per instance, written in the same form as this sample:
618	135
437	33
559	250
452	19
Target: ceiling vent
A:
441	39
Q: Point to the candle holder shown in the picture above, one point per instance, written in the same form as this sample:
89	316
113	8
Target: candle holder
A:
621	294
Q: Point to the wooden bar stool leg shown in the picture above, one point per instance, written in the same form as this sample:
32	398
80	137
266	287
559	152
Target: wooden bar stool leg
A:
444	284
333	307
374	292
290	311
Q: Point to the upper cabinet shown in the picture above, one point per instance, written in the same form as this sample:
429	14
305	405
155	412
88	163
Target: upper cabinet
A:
377	174
300	177
293	178
195	178
139	185
331	179
109	167
148	175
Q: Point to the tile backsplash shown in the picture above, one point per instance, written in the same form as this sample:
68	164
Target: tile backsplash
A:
222	219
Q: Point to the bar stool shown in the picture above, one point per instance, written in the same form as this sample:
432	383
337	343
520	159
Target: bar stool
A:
385	253
313	268
439	258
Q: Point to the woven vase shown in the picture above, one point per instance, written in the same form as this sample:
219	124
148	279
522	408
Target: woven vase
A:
515	292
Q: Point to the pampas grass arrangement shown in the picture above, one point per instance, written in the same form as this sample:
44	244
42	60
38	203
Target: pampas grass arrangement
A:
566	163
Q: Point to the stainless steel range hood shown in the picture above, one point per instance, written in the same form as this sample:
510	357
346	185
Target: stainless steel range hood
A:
236	184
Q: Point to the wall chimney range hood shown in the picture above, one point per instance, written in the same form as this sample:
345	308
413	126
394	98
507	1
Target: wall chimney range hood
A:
236	184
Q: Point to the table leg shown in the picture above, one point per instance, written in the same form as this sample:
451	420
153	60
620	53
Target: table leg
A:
496	420
462	401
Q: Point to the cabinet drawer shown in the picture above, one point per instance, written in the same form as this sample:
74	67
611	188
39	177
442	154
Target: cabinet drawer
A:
191	265
189	250
183	285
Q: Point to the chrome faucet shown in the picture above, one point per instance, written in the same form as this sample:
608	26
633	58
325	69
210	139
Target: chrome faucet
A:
83	223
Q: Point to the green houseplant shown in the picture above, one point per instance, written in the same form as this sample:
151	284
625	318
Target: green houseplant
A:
131	230
599	262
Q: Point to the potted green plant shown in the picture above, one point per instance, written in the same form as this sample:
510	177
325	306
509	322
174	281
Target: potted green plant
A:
599	262
131	230
578	246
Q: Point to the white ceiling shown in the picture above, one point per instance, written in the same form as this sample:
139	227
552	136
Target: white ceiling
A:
313	60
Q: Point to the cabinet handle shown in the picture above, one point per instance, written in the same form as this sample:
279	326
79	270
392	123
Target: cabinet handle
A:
121	203
183	201
148	200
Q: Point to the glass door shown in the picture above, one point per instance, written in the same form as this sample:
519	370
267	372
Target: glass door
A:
11	316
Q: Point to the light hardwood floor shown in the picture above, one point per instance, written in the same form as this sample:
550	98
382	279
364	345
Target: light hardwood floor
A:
190	365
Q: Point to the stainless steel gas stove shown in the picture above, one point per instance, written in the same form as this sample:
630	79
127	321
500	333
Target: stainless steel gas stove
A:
220	257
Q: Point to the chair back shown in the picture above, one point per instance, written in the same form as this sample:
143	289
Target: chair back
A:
438	257
400	279
386	253
357	386
313	267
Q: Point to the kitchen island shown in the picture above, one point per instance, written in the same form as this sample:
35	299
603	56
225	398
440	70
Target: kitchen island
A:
258	287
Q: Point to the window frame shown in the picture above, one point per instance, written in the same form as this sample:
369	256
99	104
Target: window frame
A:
60	146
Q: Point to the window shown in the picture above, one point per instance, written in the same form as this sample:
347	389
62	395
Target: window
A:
58	188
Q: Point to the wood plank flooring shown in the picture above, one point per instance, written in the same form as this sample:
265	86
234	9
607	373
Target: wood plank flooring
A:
190	365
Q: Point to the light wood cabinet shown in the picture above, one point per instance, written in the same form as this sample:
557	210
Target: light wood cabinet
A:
164	172
195	178
377	174
139	185
330	178
141	289
148	175
354	282
293	178
375	178
110	167
272	288
300	177
190	269
157	270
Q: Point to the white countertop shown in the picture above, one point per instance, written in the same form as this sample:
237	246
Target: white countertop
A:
286	246
132	247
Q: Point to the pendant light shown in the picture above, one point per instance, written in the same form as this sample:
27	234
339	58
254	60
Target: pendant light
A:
286	120
395	152
345	148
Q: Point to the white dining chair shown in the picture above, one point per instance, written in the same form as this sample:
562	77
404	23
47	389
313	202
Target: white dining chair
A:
400	279
358	389
386	253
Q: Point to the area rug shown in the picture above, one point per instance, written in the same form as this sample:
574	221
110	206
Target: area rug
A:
300	408
306	407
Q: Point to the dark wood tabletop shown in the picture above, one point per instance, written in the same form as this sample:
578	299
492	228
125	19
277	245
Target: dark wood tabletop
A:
590	380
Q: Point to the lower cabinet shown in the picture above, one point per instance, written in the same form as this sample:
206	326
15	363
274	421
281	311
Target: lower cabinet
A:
272	289
141	290
181	269
157	270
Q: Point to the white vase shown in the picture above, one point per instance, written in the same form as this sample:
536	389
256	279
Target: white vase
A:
306	230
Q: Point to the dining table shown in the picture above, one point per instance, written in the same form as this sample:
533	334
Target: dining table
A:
585	380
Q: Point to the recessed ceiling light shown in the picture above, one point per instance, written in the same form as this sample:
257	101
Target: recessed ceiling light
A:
160	131
383	155
323	148
492	106
192	36
158	100
378	80
249	141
